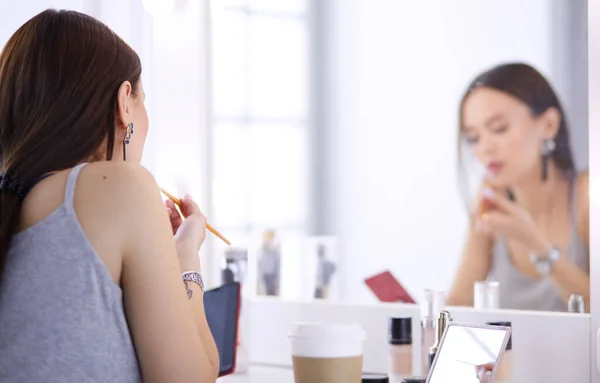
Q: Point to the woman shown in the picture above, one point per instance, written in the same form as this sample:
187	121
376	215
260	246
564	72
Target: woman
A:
530	226
91	283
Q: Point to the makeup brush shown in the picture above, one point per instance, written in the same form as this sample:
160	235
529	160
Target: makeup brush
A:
465	362
177	202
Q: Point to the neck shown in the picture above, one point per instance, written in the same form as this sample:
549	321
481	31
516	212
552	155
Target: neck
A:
537	195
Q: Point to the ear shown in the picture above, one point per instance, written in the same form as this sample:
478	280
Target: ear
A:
124	104
550	120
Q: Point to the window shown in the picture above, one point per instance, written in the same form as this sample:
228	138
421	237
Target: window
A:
260	164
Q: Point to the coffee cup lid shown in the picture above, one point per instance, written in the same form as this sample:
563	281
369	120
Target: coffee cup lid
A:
309	330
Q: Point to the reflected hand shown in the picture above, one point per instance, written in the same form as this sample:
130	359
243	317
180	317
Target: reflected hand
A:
509	219
484	372
483	205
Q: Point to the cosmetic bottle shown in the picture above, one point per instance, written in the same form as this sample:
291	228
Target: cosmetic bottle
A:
400	348
442	321
433	303
486	295
505	369
576	303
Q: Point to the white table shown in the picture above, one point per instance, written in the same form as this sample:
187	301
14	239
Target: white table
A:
261	374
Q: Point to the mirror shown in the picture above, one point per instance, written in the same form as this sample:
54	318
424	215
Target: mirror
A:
346	120
471	354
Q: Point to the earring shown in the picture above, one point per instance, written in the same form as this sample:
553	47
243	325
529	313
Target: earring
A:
127	139
548	146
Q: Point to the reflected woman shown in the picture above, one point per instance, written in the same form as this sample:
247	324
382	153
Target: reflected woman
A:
530	224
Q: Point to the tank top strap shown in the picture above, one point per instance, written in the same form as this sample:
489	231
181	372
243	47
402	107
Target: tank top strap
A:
70	187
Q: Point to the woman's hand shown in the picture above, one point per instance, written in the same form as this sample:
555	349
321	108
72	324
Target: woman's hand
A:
506	218
484	372
189	231
174	216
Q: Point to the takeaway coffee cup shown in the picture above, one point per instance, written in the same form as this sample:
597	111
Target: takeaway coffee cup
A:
327	353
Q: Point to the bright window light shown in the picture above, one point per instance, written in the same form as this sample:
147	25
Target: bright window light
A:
157	7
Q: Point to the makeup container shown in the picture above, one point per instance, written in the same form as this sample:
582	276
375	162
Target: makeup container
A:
433	302
441	323
505	369
486	295
576	303
375	378
400	348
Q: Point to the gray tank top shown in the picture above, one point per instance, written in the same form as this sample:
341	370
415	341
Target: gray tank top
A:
519	291
61	314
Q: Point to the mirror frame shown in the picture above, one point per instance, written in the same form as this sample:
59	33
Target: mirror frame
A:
594	146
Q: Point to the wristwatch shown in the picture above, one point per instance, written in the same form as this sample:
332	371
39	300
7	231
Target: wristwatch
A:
543	264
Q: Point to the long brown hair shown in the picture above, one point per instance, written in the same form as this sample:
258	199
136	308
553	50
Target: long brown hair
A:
59	77
529	86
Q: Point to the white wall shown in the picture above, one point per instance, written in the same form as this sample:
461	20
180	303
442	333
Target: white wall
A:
395	72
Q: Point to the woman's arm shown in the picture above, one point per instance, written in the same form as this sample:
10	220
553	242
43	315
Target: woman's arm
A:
568	277
171	336
475	265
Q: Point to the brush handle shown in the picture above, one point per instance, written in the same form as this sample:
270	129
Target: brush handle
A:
219	235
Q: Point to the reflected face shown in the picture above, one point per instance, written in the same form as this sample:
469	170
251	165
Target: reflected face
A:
506	138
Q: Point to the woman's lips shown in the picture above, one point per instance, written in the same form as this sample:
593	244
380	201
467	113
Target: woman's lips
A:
495	167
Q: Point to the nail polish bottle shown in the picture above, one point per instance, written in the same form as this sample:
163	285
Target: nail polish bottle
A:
400	348
505	369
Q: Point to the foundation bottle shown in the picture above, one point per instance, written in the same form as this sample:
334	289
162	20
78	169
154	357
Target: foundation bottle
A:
400	348
504	372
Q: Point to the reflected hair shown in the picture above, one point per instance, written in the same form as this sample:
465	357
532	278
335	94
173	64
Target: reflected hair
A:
529	86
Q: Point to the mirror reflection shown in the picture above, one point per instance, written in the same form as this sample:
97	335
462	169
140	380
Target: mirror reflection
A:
470	354
443	146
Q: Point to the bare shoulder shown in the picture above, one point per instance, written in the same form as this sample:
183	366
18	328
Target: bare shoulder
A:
582	181
582	203
116	199
582	191
102	187
117	177
116	185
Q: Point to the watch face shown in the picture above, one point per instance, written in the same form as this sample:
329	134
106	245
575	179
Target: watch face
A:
554	254
542	266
